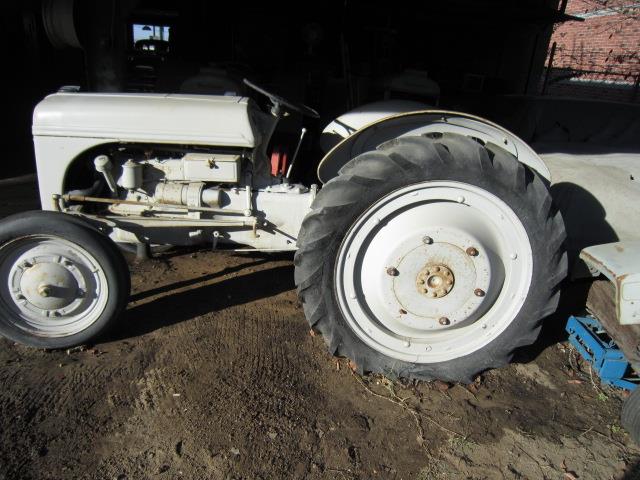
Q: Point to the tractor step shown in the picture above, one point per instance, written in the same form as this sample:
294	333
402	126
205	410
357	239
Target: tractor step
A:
589	337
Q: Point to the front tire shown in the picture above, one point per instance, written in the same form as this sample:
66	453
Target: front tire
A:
432	257
62	283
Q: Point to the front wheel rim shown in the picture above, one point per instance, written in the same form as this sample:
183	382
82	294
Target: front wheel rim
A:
433	271
51	287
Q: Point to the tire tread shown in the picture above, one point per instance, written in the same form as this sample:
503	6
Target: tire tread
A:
405	158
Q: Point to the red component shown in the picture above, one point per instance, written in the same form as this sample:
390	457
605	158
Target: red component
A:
275	162
278	162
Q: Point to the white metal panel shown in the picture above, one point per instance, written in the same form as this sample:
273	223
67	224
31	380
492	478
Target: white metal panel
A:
156	118
620	263
53	156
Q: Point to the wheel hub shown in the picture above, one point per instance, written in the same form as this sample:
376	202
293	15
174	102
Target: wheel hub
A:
49	286
435	281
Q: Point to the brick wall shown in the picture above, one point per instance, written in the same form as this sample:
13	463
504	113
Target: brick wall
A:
597	58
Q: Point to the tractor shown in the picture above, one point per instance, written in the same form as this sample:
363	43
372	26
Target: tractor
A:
432	250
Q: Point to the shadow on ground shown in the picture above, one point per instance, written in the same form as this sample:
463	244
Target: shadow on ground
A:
195	295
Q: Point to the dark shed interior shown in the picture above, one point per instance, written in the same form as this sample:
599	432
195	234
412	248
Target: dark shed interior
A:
331	55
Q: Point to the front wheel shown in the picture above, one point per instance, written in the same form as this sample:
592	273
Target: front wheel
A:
62	283
432	257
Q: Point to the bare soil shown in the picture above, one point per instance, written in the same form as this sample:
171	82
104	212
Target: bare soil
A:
213	373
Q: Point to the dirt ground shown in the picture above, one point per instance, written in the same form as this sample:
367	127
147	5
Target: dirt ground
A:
213	373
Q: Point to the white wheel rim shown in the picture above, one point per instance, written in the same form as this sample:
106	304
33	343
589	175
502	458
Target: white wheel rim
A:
50	287
398	242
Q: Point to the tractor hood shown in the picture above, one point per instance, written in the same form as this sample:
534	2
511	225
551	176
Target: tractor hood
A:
150	118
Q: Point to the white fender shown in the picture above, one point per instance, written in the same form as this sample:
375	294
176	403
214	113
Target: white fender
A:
348	123
385	127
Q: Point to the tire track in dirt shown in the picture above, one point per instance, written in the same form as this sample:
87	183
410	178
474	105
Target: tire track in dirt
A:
222	370
246	374
60	386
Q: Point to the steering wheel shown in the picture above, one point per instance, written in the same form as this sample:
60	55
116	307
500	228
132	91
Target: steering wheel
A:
278	100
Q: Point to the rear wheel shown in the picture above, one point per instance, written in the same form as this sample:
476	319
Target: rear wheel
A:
432	257
62	283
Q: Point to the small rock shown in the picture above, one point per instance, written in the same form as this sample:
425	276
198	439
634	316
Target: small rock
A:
234	451
441	386
272	435
79	348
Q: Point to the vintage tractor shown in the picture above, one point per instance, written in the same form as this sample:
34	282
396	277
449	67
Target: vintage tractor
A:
432	250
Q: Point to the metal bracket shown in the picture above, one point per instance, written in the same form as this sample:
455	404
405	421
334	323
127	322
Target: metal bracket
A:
588	337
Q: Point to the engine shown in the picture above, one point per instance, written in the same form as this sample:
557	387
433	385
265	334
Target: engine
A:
167	169
167	184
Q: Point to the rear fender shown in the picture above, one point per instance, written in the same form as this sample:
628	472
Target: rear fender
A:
369	137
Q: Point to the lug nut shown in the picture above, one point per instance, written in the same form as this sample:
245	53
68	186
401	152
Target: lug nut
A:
479	292
393	271
444	321
427	240
472	252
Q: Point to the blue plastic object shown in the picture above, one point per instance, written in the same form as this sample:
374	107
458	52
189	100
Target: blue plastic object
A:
589	337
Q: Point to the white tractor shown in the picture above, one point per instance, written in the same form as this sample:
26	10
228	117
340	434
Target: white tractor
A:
432	249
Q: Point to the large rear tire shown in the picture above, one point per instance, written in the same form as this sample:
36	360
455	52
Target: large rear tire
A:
431	257
62	282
